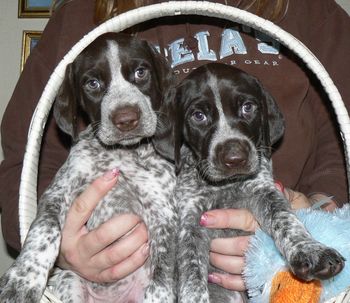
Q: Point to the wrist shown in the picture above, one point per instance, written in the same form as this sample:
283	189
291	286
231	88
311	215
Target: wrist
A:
322	200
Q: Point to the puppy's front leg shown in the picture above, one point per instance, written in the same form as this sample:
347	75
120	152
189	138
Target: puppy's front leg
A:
192	256
307	258
162	225
193	243
26	279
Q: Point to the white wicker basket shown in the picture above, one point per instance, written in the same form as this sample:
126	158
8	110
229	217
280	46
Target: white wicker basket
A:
28	194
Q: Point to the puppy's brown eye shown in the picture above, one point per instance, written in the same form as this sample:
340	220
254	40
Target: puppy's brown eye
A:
248	107
140	73
198	116
93	84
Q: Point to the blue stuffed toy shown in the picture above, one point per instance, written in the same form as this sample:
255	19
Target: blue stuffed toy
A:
264	263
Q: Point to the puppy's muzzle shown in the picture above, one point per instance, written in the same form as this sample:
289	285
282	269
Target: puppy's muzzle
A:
126	118
233	155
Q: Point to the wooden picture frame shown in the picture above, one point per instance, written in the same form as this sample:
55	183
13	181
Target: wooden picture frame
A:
34	8
29	41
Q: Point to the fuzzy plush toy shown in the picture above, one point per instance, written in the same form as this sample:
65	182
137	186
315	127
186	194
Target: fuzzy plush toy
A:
268	278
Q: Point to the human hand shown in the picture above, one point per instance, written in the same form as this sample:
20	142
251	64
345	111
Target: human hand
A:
227	253
298	200
110	252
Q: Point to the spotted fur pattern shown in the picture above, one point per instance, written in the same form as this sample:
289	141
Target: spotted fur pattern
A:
121	83
225	126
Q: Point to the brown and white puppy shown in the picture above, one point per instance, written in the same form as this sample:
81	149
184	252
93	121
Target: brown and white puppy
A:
119	85
225	125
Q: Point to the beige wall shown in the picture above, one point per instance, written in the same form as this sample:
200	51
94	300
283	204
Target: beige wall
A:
10	56
10	53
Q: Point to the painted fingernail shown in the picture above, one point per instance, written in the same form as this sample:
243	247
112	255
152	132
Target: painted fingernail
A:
207	220
212	278
145	249
279	186
108	176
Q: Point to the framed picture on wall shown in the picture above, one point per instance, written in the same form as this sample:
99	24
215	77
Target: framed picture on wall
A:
29	41
34	8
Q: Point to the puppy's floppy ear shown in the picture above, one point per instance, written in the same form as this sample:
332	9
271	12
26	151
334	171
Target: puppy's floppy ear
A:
66	104
179	129
163	139
275	119
164	73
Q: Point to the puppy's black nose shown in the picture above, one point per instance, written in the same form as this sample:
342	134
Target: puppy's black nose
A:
126	118
233	154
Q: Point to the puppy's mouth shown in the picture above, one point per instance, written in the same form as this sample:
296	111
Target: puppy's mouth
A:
232	159
125	140
127	130
130	141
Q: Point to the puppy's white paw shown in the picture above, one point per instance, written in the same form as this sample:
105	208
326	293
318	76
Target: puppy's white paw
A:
17	286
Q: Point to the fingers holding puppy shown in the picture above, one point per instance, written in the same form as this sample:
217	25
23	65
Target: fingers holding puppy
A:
241	219
110	252
227	253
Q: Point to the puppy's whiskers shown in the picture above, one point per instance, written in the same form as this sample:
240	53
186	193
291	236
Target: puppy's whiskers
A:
206	170
262	149
95	127
162	120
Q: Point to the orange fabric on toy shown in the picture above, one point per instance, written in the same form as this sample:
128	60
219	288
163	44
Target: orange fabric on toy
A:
288	289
